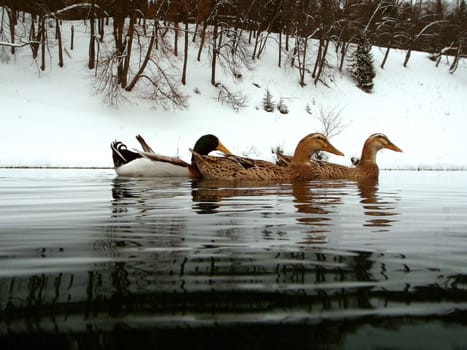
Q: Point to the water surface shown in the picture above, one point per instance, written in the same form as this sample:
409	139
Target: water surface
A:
89	258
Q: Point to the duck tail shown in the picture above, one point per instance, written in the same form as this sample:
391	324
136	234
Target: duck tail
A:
143	143
121	154
281	158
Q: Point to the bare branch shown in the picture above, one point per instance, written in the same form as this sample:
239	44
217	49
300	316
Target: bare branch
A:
331	121
235	99
22	44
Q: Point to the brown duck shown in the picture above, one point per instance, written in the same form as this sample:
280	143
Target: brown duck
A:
366	168
239	168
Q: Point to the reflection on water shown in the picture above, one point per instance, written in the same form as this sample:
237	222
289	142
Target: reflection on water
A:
120	261
382	208
317	203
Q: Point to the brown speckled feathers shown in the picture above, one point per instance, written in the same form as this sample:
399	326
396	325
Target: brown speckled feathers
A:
239	168
366	168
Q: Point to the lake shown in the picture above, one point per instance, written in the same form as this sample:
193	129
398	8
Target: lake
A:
89	260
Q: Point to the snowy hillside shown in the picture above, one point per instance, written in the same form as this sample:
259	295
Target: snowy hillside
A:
55	118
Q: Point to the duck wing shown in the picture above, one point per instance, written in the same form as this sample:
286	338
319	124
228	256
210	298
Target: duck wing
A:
166	159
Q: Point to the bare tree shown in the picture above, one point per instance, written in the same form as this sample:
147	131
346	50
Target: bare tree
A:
346	28
327	15
331	121
155	70
387	27
236	99
228	50
459	25
415	26
331	125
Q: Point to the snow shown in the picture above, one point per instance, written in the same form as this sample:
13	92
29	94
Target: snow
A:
55	118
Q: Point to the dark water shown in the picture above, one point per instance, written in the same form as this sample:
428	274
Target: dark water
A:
90	261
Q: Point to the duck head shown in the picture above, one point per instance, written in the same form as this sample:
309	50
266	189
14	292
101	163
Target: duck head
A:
374	143
311	144
208	143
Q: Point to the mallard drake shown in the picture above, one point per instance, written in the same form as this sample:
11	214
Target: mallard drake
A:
147	163
366	167
239	168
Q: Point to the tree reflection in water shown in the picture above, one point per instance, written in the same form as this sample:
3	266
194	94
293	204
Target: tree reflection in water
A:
173	276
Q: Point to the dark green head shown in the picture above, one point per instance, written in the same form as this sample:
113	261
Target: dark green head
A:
209	143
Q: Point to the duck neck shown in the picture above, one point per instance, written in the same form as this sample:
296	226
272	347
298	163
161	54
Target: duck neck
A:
368	155
302	156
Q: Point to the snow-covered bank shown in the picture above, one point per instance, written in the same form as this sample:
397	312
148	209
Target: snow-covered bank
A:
54	118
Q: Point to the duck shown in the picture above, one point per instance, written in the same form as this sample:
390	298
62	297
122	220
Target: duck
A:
366	167
147	163
301	167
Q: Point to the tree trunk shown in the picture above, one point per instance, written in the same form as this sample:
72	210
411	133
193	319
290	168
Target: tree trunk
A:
438	60
60	46
34	37
119	15
344	48
302	63
132	84
92	47
72	40
262	44
295	52
280	49
196	32
100	25
175	39
258	36
318	57
203	36
129	44
407	56
455	63
214	54
386	54
43	38
185	54
12	19
119	53
323	61
2	20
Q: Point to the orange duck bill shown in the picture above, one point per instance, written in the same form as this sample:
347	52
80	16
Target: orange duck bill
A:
220	147
331	149
393	147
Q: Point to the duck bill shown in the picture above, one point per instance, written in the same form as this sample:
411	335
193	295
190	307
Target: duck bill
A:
331	149
220	147
393	147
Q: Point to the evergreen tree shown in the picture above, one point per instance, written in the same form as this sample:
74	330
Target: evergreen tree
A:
268	105
282	107
361	65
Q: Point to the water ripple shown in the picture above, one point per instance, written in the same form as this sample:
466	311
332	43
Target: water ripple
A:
176	251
